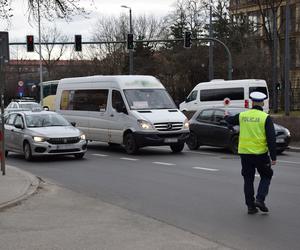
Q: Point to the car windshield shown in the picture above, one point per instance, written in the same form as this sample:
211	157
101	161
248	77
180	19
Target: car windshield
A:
30	105
149	99
45	120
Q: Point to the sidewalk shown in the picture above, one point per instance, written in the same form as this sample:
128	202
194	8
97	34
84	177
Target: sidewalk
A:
15	186
58	218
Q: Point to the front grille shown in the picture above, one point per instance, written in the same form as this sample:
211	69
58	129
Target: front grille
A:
71	150
168	126
65	140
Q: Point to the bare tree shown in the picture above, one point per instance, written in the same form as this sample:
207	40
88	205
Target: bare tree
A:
48	8
52	53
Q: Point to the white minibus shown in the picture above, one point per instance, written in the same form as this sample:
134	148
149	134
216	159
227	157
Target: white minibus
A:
213	93
135	111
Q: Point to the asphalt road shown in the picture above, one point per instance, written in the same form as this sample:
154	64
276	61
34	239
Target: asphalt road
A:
199	191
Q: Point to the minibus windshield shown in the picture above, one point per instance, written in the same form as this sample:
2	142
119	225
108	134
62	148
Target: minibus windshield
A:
139	99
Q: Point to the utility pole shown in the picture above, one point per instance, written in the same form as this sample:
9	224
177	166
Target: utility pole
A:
287	60
211	52
4	58
131	32
274	63
40	52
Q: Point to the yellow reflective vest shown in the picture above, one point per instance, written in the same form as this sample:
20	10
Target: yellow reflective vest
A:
252	138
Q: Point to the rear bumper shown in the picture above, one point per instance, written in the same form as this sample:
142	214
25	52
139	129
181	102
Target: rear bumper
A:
159	139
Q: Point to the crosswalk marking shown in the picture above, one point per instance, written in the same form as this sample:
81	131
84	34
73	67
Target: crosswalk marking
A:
164	163
128	159
206	169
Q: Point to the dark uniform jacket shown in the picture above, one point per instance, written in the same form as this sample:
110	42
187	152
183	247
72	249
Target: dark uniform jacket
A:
269	128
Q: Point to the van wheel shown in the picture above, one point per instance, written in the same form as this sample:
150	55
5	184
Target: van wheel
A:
192	142
130	144
176	148
27	152
234	144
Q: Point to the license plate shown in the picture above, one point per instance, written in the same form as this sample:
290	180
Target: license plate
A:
171	140
64	146
280	140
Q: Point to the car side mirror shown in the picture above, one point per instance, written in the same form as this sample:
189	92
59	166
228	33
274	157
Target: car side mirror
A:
73	124
19	126
186	99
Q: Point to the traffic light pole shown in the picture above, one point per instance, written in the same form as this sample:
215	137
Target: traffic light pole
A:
229	67
40	52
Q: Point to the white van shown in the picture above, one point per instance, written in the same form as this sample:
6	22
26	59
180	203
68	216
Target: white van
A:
213	93
135	111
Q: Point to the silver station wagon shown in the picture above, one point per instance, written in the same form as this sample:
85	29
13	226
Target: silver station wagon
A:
38	133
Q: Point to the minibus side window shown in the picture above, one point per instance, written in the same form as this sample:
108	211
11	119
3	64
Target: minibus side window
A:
87	99
221	94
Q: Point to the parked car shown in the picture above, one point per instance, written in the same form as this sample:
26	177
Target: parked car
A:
208	127
22	104
39	133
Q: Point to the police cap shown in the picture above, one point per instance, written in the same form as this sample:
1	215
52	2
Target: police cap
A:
257	96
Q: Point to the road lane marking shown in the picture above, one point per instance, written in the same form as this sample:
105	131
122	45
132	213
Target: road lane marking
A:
207	169
184	151
164	163
128	159
292	162
101	155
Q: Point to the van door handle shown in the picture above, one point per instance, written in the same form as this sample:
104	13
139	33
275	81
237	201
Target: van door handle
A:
112	115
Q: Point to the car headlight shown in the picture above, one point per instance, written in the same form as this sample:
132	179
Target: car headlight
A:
39	139
186	124
145	125
82	137
287	132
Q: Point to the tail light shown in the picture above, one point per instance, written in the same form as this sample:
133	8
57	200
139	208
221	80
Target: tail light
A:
246	104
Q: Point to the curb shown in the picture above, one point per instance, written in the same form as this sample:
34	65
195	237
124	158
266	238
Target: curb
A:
293	149
34	184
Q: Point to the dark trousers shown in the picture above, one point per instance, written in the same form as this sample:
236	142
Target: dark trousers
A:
263	165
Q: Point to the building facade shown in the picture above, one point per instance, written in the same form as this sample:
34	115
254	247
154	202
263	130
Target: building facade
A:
260	14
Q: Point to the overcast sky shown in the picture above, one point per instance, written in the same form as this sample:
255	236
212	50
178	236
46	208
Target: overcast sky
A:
20	28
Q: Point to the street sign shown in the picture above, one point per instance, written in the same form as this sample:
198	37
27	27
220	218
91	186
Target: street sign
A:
226	101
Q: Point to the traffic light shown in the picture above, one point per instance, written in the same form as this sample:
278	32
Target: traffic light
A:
4	46
129	41
187	41
30	43
78	43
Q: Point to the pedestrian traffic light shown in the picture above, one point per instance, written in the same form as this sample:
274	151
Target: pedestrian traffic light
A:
30	43
4	46
78	43
187	41
129	41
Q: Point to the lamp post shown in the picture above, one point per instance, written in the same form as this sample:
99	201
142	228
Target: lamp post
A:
40	52
131	32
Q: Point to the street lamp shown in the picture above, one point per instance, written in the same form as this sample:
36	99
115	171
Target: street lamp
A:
131	32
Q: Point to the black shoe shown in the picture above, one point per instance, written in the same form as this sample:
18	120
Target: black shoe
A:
261	205
252	210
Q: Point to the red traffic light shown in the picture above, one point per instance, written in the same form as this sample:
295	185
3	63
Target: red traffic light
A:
30	43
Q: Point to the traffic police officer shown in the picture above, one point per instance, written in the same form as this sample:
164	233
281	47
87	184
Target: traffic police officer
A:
256	139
